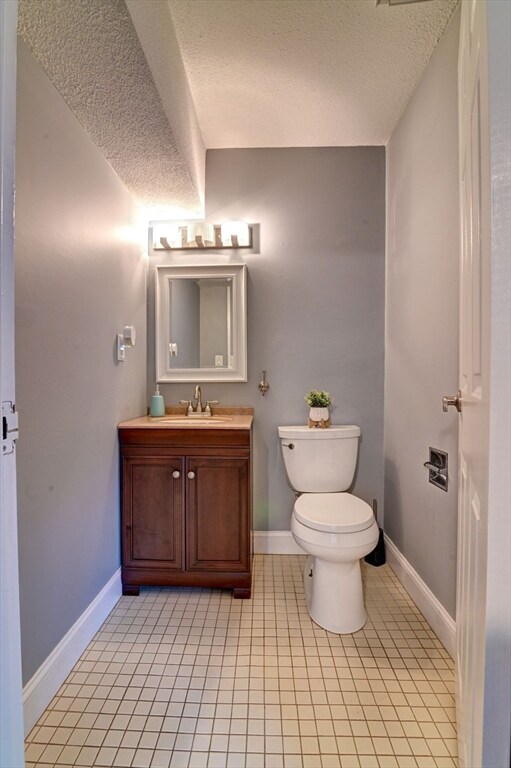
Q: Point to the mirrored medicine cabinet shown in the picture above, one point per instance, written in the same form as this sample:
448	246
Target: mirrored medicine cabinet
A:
201	323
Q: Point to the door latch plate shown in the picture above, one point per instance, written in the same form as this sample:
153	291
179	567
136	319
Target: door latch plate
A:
10	430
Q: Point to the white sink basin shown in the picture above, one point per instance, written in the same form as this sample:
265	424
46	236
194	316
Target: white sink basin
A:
180	421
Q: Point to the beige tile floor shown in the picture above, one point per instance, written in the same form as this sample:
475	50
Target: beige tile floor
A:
191	678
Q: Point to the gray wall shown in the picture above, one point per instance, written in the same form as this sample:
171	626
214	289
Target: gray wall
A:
421	345
315	300
78	282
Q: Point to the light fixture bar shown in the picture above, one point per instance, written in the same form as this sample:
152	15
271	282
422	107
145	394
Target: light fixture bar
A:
195	235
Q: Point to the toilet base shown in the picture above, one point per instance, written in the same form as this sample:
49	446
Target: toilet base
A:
334	595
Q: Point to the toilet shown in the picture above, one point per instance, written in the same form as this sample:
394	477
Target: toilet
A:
335	528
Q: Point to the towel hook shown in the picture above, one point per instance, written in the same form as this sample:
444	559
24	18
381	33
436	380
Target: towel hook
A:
263	385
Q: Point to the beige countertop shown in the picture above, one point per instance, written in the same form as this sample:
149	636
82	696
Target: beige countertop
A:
222	418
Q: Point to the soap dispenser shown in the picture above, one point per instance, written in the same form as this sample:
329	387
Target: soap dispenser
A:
157	403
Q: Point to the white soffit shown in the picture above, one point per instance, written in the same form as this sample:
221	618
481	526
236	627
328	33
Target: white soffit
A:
277	73
156	34
91	52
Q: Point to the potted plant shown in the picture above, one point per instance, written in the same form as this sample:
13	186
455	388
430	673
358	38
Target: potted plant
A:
318	401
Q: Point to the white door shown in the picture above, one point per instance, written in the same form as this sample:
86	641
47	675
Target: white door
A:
11	713
474	380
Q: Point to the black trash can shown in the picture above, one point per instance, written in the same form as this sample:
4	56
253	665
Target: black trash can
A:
377	556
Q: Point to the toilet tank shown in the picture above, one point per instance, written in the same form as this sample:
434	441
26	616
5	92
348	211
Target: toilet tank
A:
320	460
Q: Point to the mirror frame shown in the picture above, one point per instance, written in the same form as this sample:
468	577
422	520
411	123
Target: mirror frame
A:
165	273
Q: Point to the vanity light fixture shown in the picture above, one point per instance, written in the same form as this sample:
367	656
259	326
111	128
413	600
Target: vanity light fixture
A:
200	235
237	234
125	339
187	235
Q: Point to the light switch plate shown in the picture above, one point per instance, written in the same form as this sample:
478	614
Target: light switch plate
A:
121	348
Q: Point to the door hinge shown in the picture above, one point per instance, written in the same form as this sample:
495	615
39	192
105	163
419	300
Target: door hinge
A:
10	430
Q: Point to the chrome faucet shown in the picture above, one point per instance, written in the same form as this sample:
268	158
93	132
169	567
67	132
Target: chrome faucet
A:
197	408
198	401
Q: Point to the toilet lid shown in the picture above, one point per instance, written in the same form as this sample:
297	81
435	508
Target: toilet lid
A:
333	512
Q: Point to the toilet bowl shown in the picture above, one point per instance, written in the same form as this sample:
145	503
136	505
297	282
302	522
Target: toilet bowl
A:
332	577
335	528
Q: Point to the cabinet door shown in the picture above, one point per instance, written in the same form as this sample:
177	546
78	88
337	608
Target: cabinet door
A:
218	525
153	513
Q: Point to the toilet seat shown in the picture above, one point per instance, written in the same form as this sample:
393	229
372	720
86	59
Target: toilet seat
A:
333	512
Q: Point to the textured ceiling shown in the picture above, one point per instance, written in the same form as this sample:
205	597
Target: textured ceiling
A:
277	73
91	52
154	82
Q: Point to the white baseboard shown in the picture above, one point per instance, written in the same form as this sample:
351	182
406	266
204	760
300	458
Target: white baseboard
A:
43	686
276	543
439	620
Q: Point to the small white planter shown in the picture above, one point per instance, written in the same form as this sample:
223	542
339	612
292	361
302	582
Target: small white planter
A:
319	417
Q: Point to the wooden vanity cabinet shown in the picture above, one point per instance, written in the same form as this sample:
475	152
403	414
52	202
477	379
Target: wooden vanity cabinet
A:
186	508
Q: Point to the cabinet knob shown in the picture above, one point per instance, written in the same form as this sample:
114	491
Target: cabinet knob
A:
176	474
191	475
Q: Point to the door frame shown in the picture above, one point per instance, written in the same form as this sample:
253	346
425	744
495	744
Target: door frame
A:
11	700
